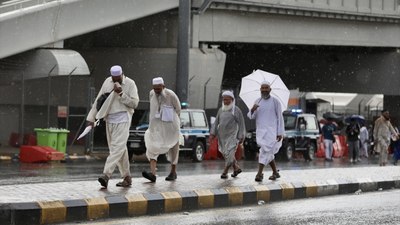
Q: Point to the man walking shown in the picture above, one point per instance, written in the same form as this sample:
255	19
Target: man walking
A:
383	130
117	111
364	137
353	142
229	127
328	134
162	136
269	129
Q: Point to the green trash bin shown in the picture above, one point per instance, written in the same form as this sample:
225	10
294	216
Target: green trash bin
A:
46	137
62	140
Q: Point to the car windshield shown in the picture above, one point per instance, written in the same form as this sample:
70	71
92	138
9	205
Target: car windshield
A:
290	122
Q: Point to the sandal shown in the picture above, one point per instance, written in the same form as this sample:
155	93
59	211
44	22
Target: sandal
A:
259	177
274	176
126	182
224	176
235	173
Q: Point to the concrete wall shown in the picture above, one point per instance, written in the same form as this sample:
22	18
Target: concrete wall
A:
251	27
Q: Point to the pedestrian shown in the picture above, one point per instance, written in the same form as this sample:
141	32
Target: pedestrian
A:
383	130
364	139
117	111
269	130
230	129
353	142
328	131
162	136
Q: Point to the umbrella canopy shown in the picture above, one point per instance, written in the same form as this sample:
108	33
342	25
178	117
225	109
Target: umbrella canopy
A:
250	88
357	118
332	116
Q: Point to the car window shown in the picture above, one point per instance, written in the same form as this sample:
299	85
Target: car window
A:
185	119
311	123
290	122
198	119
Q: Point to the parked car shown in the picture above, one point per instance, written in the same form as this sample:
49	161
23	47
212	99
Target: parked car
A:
302	132
194	128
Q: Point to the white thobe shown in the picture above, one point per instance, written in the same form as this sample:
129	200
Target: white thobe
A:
269	124
230	129
162	136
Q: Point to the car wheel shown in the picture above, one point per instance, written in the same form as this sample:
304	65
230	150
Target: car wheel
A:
288	151
198	152
310	153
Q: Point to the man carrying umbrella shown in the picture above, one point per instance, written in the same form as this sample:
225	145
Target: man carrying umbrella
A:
270	129
230	128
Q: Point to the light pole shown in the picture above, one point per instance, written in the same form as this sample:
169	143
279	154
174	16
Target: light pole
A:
359	106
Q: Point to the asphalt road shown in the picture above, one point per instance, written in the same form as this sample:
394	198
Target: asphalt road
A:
371	208
14	172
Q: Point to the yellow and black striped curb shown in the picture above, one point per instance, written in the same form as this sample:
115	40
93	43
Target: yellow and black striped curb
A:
131	205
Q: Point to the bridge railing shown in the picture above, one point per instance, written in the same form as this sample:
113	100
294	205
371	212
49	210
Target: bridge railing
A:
12	5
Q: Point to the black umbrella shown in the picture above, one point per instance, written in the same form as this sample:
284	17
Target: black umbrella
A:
332	116
358	118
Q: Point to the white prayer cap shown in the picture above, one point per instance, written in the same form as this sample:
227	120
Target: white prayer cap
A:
265	83
158	80
116	71
228	93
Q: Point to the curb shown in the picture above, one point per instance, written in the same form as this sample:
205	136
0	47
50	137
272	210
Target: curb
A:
48	212
68	158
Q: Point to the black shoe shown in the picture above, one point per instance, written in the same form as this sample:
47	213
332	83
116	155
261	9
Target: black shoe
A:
103	180
149	176
235	173
171	177
224	176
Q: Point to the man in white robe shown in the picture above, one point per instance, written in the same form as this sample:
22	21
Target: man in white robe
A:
162	136
229	127
269	130
117	111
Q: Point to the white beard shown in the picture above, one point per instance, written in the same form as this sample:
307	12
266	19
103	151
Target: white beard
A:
227	107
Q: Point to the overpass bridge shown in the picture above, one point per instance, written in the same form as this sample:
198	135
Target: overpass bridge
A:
315	45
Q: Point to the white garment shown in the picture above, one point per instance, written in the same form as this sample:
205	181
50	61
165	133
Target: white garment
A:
117	136
119	117
161	136
269	123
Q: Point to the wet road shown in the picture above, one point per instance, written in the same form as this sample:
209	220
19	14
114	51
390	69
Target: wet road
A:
14	172
366	208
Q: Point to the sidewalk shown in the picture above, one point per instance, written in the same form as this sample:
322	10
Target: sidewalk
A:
47	203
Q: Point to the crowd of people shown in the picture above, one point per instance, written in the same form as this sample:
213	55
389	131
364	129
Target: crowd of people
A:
384	137
163	134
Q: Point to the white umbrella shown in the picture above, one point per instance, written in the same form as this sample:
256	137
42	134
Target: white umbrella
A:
250	88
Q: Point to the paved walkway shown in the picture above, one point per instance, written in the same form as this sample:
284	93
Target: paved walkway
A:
46	203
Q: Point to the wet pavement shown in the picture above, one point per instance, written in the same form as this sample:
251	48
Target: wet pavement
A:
61	182
33	193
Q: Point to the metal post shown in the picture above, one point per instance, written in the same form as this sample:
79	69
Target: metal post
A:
205	93
22	127
68	97
359	106
183	50
48	95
